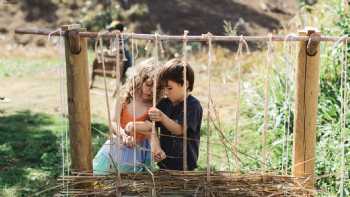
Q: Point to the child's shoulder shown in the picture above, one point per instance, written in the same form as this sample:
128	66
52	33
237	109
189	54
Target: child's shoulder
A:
164	101
193	101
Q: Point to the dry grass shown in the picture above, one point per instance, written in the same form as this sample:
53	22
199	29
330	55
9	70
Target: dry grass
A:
189	183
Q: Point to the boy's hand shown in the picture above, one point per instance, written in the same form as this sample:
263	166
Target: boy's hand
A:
155	114
148	125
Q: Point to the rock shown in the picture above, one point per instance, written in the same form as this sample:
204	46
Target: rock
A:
3	30
22	39
310	2
40	42
4	99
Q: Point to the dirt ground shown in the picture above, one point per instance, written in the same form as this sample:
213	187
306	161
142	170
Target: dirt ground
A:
36	82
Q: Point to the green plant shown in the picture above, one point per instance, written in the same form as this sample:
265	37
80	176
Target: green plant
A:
328	145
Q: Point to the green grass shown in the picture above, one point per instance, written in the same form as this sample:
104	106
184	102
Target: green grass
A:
30	151
18	67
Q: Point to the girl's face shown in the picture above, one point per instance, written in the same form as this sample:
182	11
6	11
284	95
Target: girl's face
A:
146	90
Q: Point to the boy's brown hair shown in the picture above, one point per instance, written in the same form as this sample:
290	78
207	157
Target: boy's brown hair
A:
173	71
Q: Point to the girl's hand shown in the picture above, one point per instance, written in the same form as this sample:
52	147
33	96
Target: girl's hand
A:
129	128
116	130
128	141
155	114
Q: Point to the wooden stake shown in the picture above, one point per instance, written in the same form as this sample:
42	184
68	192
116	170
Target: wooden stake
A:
78	99
307	90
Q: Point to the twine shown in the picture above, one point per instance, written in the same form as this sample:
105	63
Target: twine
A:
266	102
184	62
238	56
210	48
62	101
289	65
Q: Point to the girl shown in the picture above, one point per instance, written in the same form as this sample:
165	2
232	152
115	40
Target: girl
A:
114	155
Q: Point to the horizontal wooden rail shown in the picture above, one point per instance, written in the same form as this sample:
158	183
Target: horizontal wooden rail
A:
197	38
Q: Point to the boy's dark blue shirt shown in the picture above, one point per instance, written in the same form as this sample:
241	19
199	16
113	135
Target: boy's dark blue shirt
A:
172	144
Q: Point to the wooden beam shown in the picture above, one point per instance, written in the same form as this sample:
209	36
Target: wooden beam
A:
192	38
306	97
78	99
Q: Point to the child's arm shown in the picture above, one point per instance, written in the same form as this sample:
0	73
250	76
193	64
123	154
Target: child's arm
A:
157	115
126	140
114	116
144	127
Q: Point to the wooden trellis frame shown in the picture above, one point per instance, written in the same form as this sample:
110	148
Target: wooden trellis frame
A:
306	97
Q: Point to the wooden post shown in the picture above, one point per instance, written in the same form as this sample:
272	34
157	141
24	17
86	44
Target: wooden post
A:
78	99
306	101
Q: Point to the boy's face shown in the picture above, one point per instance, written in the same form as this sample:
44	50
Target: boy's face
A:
174	91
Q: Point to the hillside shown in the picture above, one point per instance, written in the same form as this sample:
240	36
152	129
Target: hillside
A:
198	16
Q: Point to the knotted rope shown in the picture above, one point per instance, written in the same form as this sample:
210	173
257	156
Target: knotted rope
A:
184	61
266	102
238	56
63	111
208	37
287	53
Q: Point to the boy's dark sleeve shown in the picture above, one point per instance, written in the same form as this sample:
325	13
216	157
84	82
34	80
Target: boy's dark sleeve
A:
194	118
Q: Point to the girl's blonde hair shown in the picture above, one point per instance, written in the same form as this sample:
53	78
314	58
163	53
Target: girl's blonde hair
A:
144	71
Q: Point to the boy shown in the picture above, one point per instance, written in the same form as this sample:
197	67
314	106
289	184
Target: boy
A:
169	115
